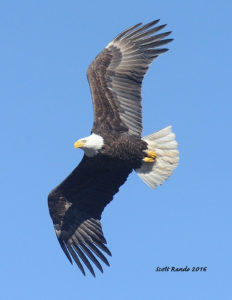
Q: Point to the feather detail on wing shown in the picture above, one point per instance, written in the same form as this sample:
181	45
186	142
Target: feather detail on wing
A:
76	206
115	77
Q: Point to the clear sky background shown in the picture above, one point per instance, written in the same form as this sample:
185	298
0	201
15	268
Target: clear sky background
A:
45	105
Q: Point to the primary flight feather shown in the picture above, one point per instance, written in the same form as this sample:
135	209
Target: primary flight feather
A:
115	147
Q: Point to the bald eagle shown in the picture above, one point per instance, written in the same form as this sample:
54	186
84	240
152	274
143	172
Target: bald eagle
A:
114	148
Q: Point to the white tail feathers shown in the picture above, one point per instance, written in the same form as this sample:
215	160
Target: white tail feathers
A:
163	143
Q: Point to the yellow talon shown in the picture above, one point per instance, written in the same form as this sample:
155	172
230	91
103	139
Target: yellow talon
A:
151	154
148	159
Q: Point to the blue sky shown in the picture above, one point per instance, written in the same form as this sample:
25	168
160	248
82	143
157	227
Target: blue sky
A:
46	47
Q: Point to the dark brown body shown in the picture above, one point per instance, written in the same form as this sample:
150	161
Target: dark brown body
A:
127	149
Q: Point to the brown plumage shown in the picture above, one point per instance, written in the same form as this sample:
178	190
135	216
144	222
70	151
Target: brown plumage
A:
115	77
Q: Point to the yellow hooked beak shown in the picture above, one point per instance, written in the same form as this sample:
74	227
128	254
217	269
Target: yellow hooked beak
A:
78	144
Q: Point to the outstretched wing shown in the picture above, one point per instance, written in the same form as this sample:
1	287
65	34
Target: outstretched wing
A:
76	205
115	77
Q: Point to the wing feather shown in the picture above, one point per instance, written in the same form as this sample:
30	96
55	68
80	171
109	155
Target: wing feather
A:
83	257
91	256
76	206
115	77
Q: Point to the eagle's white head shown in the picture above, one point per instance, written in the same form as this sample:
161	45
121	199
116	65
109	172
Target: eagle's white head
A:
90	144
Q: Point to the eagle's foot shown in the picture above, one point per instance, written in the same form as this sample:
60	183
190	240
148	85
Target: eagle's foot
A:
148	159
150	156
